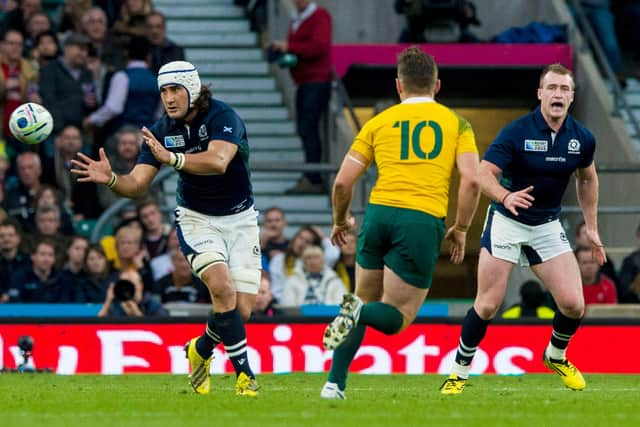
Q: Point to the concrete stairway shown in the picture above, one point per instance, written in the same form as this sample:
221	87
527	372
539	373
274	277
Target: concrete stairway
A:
217	39
632	97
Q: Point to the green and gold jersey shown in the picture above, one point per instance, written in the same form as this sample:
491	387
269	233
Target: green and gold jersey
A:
414	145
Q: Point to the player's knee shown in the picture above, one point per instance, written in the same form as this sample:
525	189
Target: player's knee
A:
200	263
573	310
486	309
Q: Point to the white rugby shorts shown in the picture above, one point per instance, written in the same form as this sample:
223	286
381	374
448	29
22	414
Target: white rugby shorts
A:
232	239
522	244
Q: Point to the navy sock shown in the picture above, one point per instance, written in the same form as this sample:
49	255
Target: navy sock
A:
209	339
473	330
231	329
563	329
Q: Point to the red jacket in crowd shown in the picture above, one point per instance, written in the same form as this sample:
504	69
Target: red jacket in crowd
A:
311	43
601	292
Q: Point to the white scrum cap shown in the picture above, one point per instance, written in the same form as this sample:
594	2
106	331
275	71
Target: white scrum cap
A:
181	73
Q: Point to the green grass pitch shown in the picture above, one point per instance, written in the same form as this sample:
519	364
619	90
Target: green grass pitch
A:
293	400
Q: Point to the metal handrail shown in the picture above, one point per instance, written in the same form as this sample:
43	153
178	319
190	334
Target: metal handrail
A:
618	96
345	98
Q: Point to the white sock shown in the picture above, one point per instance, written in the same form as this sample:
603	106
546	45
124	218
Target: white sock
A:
460	370
555	352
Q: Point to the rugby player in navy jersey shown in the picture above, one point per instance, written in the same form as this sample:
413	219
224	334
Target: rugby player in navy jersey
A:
525	173
206	142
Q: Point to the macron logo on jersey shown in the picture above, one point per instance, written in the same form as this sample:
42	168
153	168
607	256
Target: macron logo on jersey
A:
535	145
227	129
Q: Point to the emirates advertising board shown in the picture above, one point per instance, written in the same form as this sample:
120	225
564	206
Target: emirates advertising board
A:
113	349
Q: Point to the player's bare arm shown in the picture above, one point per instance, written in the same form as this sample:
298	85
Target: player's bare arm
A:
133	185
214	161
468	166
490	184
352	168
587	187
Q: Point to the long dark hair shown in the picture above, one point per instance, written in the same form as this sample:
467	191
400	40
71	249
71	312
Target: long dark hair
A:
203	101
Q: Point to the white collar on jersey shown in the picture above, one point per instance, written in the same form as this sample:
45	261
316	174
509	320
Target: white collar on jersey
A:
418	99
300	17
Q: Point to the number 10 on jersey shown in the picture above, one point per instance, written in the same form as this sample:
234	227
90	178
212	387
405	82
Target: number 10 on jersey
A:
414	135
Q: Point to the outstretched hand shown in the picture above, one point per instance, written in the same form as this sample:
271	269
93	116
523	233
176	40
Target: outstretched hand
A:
159	152
458	240
339	231
89	170
518	199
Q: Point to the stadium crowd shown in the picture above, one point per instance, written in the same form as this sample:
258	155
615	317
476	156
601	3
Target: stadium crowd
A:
93	65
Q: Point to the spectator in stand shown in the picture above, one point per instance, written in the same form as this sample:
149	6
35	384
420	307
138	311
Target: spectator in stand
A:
608	268
123	157
596	286
28	284
111	8
309	39
272	238
45	49
66	85
130	302
12	258
48	227
99	270
161	265
133	18
346	265
127	219
73	285
18	83
313	283
163	50
420	14
629	291
18	200
282	265
109	47
265	303
6	180
156	231
626	16
37	24
532	300
72	13
133	97
131	254
17	18
49	195
101	77
598	13
180	285
80	198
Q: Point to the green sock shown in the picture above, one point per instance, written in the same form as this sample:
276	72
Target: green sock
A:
343	356
383	317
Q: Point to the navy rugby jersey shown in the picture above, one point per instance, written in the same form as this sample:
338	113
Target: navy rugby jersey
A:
207	194
527	155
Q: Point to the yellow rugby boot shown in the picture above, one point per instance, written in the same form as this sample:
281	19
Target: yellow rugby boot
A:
453	385
199	377
246	386
570	375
